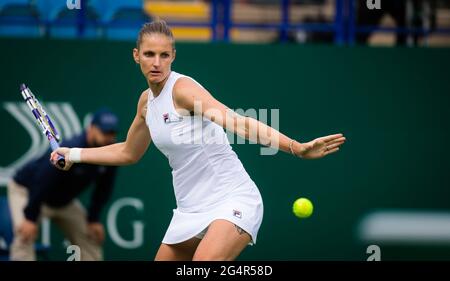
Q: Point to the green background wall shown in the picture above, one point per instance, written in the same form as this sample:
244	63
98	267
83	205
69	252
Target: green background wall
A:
392	105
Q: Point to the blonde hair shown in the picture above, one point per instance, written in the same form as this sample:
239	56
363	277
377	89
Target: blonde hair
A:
157	26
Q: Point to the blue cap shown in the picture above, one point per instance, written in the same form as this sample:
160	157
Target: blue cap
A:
106	120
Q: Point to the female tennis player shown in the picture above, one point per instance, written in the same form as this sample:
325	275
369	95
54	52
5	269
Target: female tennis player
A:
219	208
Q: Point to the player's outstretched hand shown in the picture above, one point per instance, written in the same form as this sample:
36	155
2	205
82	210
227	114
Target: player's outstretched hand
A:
321	147
62	151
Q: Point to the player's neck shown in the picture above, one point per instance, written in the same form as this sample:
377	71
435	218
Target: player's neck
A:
157	88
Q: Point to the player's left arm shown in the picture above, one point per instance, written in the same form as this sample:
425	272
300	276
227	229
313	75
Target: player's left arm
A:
191	96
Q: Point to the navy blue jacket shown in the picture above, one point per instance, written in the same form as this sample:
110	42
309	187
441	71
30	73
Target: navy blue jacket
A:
56	188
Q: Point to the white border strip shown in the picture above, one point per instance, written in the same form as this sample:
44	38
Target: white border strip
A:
403	226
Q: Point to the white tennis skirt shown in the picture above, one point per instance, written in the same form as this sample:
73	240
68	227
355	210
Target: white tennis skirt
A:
244	208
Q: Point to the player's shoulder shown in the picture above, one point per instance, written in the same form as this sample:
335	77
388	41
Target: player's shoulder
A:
142	103
185	87
185	81
143	98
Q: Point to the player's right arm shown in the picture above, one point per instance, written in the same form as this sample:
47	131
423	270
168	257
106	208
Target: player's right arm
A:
118	154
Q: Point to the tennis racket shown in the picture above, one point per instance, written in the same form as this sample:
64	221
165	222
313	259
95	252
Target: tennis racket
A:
44	121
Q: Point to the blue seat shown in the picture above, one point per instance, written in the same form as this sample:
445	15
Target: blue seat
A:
125	25
5	3
108	9
19	18
6	233
63	22
121	19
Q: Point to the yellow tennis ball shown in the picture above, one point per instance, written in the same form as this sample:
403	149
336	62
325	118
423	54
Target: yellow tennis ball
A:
302	208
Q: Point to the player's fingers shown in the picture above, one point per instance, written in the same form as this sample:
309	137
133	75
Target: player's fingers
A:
62	151
332	151
52	156
334	145
341	139
332	137
54	159
57	165
67	166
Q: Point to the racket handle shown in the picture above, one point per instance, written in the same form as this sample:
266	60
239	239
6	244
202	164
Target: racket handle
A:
60	161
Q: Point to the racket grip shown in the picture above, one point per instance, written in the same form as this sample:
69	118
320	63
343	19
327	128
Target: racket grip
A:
60	161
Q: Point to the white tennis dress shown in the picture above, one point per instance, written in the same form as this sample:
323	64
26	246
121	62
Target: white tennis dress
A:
208	178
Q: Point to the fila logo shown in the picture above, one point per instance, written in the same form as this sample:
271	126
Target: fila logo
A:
171	118
237	214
